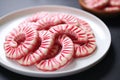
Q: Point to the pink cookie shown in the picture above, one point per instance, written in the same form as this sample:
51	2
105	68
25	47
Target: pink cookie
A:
114	3
96	3
112	9
62	58
87	48
68	19
42	50
76	33
20	41
48	21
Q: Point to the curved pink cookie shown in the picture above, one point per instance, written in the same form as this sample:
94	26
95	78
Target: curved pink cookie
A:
48	21
20	41
63	57
86	48
67	19
84	25
76	33
42	50
33	20
112	9
96	3
114	3
34	25
53	51
35	17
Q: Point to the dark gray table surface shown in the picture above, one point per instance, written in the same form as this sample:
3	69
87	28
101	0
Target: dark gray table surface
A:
107	69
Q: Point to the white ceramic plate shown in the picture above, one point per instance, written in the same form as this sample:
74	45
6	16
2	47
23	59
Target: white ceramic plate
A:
102	34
